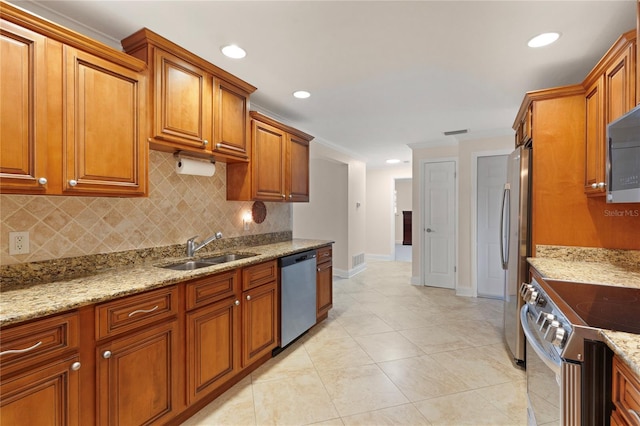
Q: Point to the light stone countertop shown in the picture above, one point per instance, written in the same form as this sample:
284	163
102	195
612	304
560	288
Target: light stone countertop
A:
626	346
596	266
588	272
39	300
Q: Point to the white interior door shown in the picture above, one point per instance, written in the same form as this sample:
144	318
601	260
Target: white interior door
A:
439	224
492	174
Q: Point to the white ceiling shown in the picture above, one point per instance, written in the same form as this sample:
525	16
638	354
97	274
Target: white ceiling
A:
383	74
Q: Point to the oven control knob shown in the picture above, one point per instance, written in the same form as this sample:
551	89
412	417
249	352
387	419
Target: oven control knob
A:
524	289
533	297
560	338
540	302
544	320
555	334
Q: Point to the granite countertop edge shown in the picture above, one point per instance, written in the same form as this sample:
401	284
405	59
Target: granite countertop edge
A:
40	300
626	346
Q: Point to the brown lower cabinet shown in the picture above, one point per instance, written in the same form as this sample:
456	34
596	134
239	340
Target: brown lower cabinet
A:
137	377
39	374
324	282
150	358
625	395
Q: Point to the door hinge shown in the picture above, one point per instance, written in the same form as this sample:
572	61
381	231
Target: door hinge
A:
455	269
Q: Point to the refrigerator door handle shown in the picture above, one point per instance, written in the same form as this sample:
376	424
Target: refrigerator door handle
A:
504	221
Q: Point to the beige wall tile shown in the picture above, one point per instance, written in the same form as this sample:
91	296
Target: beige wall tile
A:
178	207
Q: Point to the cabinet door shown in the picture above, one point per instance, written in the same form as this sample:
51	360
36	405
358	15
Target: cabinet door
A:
268	162
183	96
298	169
324	289
23	111
213	347
620	85
594	140
259	322
232	121
46	396
137	377
106	152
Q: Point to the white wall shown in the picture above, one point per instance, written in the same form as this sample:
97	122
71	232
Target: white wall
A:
403	203
323	217
337	184
466	151
380	220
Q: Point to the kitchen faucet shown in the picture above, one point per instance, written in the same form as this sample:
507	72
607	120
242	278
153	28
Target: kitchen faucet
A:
193	247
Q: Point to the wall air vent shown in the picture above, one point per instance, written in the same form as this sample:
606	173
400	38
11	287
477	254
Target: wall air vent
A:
456	132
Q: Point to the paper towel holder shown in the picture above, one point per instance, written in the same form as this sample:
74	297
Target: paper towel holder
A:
177	155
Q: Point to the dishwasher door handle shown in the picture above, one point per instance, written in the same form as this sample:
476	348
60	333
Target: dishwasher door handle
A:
304	257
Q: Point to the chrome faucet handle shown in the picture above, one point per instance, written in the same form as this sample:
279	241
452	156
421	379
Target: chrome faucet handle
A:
192	239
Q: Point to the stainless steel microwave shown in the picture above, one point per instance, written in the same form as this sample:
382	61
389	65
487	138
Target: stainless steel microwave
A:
623	158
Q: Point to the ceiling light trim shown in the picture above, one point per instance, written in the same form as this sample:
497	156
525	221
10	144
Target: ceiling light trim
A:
233	51
543	39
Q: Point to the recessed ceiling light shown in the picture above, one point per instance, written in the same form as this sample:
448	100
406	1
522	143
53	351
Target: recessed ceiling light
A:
301	94
393	161
544	39
233	51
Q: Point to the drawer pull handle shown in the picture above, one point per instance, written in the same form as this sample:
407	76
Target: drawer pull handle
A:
143	311
20	351
634	414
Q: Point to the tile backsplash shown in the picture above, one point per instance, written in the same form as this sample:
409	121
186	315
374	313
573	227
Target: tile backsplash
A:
178	207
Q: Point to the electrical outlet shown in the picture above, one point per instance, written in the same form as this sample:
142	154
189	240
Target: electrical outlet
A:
18	243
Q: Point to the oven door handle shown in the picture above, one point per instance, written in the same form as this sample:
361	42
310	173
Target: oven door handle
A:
535	343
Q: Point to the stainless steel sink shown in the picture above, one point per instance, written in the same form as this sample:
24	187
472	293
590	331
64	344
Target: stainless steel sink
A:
190	265
230	257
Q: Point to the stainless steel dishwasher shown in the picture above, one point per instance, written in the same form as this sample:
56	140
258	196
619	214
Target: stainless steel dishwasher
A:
297	295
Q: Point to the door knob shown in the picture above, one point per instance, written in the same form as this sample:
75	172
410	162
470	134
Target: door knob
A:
430	230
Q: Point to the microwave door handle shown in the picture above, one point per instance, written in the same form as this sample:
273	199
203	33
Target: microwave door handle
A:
504	221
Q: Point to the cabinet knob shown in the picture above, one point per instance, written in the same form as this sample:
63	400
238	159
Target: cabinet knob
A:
73	182
284	196
42	181
290	196
318	269
601	185
237	303
248	297
106	354
205	142
76	366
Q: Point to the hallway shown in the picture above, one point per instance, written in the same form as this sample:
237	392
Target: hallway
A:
389	354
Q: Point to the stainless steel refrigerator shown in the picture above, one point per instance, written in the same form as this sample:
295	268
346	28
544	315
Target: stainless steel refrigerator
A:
515	244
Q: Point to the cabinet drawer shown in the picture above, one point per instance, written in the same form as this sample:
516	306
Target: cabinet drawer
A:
38	341
211	289
256	275
626	393
128	313
324	254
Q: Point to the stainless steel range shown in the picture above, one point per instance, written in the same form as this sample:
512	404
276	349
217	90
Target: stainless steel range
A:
568	365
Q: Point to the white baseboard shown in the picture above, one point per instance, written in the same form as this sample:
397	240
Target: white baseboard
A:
341	273
465	292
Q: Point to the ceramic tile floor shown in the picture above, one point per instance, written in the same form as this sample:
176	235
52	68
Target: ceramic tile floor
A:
389	354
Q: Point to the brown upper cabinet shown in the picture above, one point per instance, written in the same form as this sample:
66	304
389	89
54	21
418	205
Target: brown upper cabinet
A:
279	168
524	127
194	105
610	92
62	94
